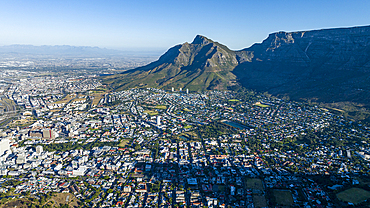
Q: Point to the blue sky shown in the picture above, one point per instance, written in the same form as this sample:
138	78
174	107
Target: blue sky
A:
160	24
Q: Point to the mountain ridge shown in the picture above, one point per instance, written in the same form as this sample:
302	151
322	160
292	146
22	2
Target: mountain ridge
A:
326	65
55	49
202	64
325	55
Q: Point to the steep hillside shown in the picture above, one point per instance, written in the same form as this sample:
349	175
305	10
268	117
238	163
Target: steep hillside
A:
200	65
330	65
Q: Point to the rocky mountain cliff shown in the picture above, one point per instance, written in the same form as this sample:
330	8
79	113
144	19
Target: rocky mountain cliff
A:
200	65
329	65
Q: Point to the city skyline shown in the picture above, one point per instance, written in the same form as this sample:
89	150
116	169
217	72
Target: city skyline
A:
144	25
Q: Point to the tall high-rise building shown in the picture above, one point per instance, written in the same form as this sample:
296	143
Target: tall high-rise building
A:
158	120
173	89
187	91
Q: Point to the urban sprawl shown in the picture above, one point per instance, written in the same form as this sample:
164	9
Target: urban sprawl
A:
73	137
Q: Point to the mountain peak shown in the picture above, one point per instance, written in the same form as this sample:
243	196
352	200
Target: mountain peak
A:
322	65
200	39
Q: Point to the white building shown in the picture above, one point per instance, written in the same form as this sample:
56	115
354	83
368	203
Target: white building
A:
4	145
39	149
58	167
80	171
21	159
158	120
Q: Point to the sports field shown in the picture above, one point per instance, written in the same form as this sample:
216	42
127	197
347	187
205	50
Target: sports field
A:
151	112
254	183
354	195
163	107
259	201
283	197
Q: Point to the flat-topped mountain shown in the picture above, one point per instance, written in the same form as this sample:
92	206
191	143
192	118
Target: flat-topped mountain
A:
329	65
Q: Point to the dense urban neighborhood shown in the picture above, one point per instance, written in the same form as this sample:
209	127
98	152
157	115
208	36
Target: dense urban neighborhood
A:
68	140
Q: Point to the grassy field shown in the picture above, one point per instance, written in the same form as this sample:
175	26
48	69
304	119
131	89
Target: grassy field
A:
79	99
17	203
348	109
97	95
123	143
187	110
96	98
261	105
66	99
55	201
192	135
259	201
233	100
151	112
60	199
283	197
102	88
163	107
187	127
354	195
254	183
22	122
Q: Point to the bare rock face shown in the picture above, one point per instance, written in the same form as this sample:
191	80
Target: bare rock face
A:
329	65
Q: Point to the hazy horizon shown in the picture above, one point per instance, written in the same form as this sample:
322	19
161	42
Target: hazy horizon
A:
159	25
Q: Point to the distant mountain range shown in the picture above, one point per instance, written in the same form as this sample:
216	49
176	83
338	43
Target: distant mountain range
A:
329	65
74	51
55	50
